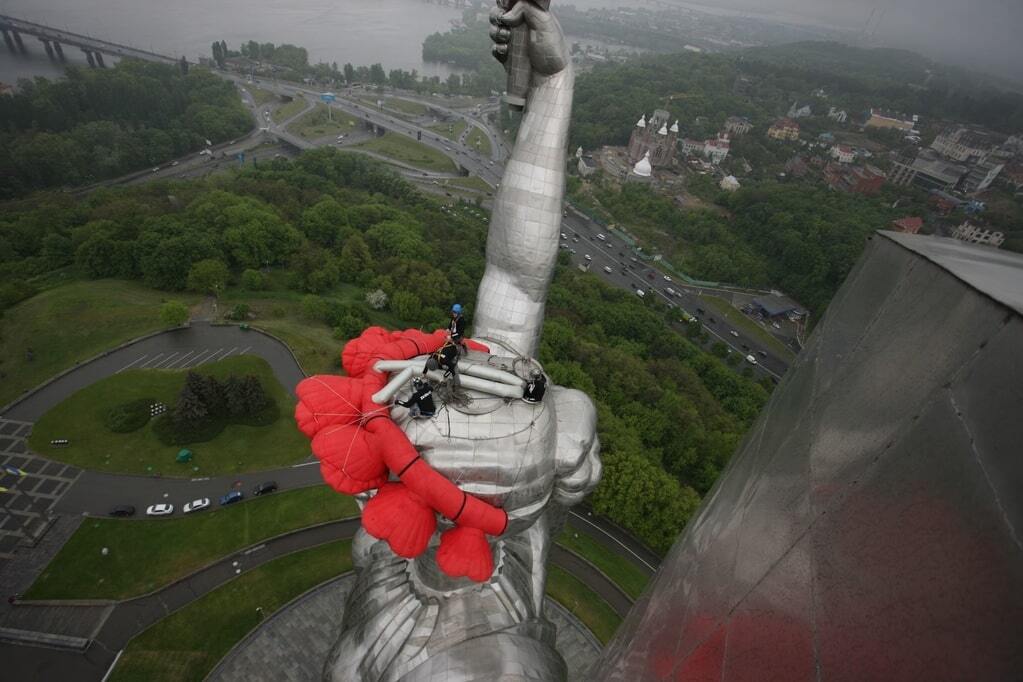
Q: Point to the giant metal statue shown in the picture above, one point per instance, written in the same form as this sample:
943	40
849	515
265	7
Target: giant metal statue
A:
460	506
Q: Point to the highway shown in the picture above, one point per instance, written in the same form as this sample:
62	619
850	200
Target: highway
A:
614	254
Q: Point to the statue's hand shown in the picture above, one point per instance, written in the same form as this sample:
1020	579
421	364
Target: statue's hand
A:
548	52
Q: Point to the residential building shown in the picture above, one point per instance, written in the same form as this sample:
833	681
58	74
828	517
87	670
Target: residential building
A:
799	110
966	143
653	136
909	225
796	167
1012	175
843	153
981	175
928	170
856	179
884	119
690	146
838	115
784	129
716	150
737	125
826	138
975	234
729	183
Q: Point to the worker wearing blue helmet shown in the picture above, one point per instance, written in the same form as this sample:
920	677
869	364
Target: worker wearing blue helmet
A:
456	327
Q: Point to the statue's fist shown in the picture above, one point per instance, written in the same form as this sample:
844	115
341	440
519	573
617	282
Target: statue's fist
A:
548	53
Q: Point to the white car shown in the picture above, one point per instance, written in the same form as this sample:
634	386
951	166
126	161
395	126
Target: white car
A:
667	279
734	333
161	509
196	505
587	257
564	236
751	360
607	269
601	237
776	325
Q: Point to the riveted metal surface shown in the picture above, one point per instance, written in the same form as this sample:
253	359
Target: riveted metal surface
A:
869	527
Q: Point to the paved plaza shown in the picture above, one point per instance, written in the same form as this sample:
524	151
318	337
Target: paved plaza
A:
32	486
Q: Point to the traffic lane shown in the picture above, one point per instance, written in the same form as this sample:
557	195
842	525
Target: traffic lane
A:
641	276
626	277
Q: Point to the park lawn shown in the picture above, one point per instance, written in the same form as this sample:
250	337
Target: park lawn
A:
312	342
146	555
189	643
472	182
622	572
317	124
286	111
738	319
476	137
452	131
260	96
584	603
80	419
406	150
70	324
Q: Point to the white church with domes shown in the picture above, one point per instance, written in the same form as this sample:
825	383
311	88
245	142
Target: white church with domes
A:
653	139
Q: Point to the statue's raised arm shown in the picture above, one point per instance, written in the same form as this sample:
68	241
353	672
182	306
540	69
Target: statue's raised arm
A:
522	245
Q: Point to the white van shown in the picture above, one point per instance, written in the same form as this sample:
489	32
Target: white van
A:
640	293
751	360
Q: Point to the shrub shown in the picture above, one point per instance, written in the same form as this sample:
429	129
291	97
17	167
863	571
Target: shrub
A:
239	312
253	280
129	416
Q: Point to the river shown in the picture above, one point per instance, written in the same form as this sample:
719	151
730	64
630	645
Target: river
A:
358	31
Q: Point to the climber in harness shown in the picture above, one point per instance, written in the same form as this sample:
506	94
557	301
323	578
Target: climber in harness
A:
420	403
535	387
456	327
446	358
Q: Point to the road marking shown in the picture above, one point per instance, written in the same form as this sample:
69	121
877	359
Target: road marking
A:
166	359
204	478
146	365
195	359
229	352
211	357
304	464
181	359
244	350
131	363
624	546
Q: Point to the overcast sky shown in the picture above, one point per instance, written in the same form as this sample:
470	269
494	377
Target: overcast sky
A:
984	34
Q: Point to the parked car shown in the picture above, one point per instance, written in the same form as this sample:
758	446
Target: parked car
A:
776	325
734	333
123	510
231	498
601	237
587	256
671	292
162	509
196	505
751	360
761	353
667	278
265	488
607	269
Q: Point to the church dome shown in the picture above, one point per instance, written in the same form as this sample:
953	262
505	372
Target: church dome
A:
663	130
643	168
674	126
641	123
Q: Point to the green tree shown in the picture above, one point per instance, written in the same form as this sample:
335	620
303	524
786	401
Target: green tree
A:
208	276
253	280
173	313
406	305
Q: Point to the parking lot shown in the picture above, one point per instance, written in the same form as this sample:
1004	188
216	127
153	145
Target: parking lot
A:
182	359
